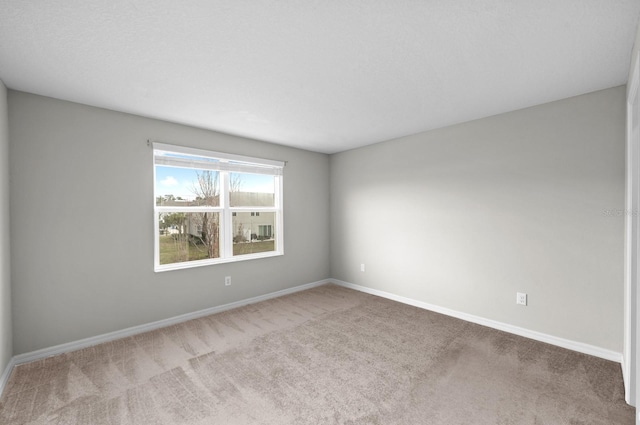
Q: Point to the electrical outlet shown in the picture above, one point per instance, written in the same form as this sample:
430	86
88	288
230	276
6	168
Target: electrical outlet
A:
361	267
227	280
521	298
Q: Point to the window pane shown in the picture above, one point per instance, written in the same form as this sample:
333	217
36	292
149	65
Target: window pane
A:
252	234
251	190
188	236
187	187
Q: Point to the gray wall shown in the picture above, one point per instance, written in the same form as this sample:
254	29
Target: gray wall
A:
82	232
463	217
6	349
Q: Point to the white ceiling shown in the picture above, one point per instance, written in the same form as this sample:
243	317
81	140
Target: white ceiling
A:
321	75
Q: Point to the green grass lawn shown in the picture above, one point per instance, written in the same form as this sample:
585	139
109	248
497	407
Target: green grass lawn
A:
172	251
175	251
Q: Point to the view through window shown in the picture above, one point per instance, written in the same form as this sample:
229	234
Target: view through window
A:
212	207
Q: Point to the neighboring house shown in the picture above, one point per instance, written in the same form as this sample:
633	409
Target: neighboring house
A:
251	226
247	225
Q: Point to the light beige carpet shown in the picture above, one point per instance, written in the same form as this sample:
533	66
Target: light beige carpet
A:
324	356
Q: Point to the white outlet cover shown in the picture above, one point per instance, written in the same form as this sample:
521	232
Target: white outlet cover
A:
521	298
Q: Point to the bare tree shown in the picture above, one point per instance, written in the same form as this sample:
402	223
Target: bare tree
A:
235	183
207	191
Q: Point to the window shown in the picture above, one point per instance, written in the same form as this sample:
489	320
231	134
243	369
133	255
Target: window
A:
212	207
264	231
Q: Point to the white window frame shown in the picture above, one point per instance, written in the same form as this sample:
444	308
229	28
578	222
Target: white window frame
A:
228	163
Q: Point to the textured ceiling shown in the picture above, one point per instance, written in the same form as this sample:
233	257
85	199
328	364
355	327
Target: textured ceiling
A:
320	75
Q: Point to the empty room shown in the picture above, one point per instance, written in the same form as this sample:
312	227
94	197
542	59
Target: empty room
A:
272	212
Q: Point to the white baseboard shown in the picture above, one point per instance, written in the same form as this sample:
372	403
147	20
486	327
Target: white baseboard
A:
111	336
538	336
625	380
4	378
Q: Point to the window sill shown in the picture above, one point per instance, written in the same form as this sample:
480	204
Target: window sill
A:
214	261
